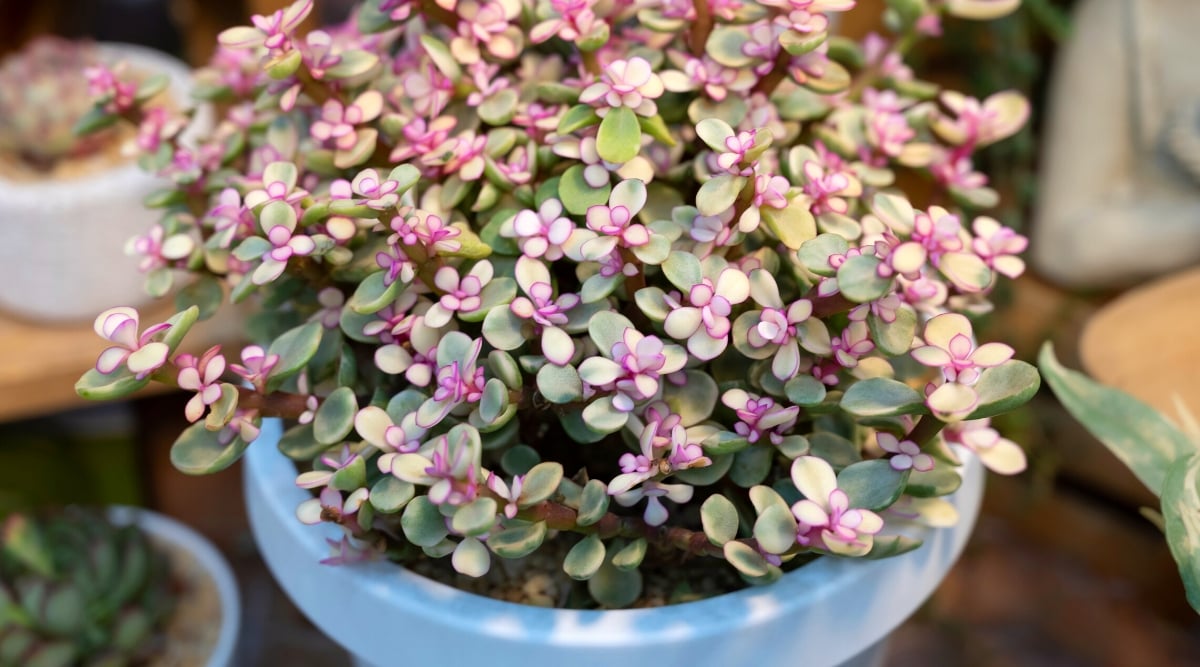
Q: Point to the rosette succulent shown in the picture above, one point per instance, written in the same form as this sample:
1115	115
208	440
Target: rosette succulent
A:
76	589
638	281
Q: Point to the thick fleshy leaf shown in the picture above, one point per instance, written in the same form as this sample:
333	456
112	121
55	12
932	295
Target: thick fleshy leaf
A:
693	400
873	485
683	270
1137	434
607	329
719	518
199	451
751	466
894	338
1005	388
471	558
630	556
372	295
585	558
503	329
982	10
793	226
441	56
745	559
814	254
603	417
389	495
965	270
335	416
882	397
620	136
952	401
859	280
775	529
298	443
615	587
559	384
805	390
814	478
718	194
577	195
475	518
714	132
97	386
577	118
834	449
941	481
540	483
295	348
422	523
593	502
518	541
887	546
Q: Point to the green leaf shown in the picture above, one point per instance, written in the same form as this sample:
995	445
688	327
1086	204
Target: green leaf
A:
181	323
859	280
940	481
585	558
836	450
657	128
608	328
620	136
793	226
751	466
814	254
372	295
719	193
440	54
615	587
222	411
518	541
299	444
593	502
499	108
775	529
882	397
197	451
805	390
96	386
603	417
693	400
475	518
390	495
575	193
335	416
422	523
540	483
296	347
351	477
471	558
630	556
895	338
577	118
559	384
96	119
519	459
1005	388
872	485
1136	433
745	559
719	518
1181	518
683	270
886	546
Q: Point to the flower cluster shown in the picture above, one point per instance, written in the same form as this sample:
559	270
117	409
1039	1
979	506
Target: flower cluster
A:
662	241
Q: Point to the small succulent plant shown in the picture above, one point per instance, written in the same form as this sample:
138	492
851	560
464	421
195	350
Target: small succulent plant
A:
43	94
76	589
637	279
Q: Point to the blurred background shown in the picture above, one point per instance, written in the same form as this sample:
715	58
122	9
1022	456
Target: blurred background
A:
1062	569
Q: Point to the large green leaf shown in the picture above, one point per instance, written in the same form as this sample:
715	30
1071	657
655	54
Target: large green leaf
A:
1004	388
620	136
1136	433
1181	517
198	451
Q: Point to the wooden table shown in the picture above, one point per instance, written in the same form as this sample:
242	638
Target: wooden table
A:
39	363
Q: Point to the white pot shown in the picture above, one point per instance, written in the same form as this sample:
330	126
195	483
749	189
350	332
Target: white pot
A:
173	532
62	242
826	613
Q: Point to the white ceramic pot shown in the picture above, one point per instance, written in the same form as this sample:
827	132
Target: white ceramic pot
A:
830	612
173	532
62	242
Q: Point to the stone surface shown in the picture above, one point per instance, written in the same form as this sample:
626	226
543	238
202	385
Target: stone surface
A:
1119	198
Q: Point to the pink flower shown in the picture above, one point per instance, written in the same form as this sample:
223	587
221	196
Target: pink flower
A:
625	83
633	370
950	346
760	416
824	518
142	355
906	454
158	252
541	233
273	31
705	323
999	246
338	124
1000	455
203	376
460	294
256	366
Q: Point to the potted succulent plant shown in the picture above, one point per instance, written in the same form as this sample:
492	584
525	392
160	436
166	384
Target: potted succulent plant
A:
68	205
595	305
130	587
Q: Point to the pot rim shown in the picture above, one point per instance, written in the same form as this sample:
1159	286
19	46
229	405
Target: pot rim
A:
186	538
837	585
